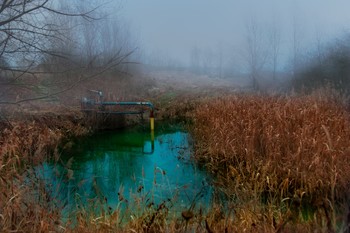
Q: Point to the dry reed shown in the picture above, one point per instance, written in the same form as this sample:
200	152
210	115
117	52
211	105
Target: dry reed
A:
277	154
25	205
272	156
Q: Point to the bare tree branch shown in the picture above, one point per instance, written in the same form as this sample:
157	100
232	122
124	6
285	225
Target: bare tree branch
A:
112	63
21	14
40	37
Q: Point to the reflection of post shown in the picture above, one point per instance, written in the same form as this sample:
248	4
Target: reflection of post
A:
146	142
151	118
152	140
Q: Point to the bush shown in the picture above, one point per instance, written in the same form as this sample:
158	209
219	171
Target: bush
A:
331	69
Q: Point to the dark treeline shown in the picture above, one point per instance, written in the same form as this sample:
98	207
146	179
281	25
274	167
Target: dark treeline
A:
330	67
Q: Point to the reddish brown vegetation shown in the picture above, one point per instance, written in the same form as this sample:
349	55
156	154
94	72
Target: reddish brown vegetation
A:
24	204
288	151
272	155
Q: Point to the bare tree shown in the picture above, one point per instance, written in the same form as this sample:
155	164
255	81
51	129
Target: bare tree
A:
319	46
31	33
195	59
208	61
297	37
26	32
114	37
256	51
275	42
220	60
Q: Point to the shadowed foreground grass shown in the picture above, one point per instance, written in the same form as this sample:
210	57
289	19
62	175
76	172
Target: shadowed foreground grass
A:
284	160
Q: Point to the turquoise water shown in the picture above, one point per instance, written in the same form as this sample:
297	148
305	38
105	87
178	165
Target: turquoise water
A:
128	170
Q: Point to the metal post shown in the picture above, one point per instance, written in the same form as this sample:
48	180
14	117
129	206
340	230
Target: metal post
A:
151	119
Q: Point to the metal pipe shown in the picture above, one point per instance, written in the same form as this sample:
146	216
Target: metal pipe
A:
97	92
149	104
114	112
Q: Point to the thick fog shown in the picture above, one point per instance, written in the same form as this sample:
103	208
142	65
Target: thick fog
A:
171	31
257	42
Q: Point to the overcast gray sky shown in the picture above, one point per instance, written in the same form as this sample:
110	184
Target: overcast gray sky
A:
173	27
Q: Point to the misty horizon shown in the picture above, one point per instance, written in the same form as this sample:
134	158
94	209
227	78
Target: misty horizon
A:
167	31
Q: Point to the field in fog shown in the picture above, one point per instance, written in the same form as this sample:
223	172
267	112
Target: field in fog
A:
262	87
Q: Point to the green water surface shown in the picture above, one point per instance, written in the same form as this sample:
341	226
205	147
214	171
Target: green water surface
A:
125	168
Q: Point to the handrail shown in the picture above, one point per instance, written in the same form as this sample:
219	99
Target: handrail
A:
85	102
127	103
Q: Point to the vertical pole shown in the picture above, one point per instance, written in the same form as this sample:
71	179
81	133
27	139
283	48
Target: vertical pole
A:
151	119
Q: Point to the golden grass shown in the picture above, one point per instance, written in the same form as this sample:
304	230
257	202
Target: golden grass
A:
25	206
283	152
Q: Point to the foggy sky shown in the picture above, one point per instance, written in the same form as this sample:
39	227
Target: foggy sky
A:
173	28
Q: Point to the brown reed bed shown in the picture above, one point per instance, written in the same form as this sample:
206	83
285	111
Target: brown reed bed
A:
283	163
278	157
25	142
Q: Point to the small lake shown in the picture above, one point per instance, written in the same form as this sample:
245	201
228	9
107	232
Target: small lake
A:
131	168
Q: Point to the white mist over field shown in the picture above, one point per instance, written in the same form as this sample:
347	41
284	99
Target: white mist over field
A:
171	31
252	43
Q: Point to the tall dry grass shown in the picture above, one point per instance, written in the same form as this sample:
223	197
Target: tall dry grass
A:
278	158
25	206
282	161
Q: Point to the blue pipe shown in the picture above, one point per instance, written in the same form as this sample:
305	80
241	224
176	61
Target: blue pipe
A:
149	104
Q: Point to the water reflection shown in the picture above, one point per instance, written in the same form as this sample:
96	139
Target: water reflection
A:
113	167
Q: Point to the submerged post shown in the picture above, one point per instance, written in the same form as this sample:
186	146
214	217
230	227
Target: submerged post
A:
152	140
151	119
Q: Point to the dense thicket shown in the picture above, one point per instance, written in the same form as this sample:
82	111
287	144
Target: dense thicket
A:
331	68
